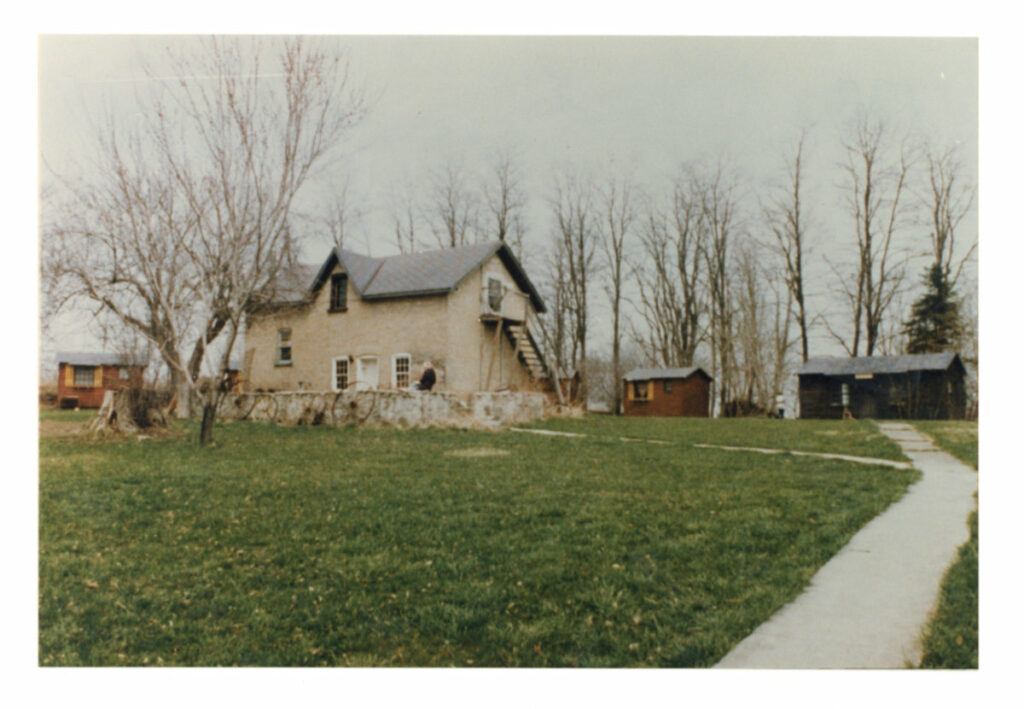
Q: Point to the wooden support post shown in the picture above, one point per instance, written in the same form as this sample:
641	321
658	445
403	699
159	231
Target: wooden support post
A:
494	353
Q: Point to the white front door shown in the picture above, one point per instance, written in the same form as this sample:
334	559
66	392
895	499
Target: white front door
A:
367	373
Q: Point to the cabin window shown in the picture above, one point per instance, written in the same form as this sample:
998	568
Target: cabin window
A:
668	386
340	374
640	390
122	373
401	365
494	293
284	346
339	292
84	376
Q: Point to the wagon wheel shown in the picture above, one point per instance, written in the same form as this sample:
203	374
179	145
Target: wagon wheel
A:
370	410
334	404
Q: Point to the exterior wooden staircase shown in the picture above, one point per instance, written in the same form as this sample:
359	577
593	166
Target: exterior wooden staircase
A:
526	348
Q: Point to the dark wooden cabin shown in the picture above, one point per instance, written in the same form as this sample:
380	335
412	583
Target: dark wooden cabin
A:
84	377
667	392
923	386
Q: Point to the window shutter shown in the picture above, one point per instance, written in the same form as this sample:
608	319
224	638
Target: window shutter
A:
629	392
650	389
69	375
97	377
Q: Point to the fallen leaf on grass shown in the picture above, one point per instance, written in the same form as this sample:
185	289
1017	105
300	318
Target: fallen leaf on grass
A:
89	583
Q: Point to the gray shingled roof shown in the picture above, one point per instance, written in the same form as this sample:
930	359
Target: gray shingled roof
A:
644	374
95	359
424	273
294	283
899	364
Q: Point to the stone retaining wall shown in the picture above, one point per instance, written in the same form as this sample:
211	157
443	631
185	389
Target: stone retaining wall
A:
404	409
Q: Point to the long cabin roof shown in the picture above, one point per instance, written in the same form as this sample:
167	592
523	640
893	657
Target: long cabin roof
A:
898	364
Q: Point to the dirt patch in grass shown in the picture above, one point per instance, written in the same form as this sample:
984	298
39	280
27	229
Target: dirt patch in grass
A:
64	462
48	429
478	453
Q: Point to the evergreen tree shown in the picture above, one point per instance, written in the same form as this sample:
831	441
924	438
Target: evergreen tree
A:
935	324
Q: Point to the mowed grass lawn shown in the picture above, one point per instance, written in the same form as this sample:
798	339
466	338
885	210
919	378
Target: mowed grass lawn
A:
959	438
288	546
860	438
951	639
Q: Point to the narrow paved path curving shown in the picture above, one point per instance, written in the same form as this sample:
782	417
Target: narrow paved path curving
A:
867	607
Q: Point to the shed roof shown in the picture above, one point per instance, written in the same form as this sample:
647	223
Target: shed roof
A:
643	374
94	359
404	275
839	366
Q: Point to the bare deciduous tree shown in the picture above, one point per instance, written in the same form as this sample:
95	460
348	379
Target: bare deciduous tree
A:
669	279
403	209
505	200
340	217
184	227
453	207
876	189
785	218
948	201
618	216
763	303
715	192
576	241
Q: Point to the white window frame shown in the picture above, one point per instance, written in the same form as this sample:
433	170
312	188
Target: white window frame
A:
281	343
394	369
334	372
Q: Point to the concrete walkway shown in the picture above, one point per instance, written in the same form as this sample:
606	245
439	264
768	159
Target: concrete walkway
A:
867	606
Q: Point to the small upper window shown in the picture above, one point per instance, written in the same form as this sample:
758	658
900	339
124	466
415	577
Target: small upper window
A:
339	292
122	373
284	345
494	294
668	386
84	376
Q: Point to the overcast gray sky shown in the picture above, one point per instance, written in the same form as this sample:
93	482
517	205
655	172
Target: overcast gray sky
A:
607	105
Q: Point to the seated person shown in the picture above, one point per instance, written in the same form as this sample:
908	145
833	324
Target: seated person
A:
426	382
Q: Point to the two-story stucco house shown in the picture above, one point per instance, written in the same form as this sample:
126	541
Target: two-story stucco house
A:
372	323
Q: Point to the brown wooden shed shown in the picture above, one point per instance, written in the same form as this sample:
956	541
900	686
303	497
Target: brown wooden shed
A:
84	377
921	386
684	391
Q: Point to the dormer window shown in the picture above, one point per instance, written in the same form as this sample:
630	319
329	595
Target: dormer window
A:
339	293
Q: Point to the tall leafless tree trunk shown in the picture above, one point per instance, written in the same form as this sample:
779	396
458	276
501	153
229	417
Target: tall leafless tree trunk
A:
715	192
618	217
576	234
876	190
506	201
403	211
948	201
786	220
